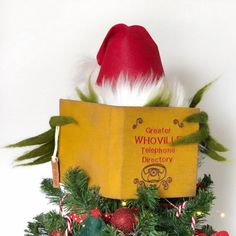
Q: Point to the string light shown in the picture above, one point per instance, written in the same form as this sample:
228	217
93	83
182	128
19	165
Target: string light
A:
123	203
222	215
199	213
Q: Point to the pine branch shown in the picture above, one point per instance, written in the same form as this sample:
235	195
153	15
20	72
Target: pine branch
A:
154	219
148	197
172	225
147	223
108	205
205	183
208	230
159	233
53	194
80	198
35	229
201	203
44	224
109	230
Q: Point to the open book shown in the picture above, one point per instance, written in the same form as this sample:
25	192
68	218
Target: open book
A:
122	147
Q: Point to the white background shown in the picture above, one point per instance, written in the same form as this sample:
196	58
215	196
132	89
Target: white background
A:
41	47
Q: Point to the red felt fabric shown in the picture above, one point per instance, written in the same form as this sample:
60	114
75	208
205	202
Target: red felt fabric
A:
128	50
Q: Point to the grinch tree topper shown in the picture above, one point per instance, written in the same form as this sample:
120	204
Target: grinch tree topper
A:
129	73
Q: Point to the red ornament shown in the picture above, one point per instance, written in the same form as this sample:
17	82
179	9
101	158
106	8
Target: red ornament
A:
124	219
221	233
106	217
130	51
198	232
95	213
56	233
78	218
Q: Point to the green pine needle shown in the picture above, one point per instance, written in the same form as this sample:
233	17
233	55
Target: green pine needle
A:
45	224
148	196
160	100
76	179
147	223
41	150
109	230
154	219
200	117
199	94
202	202
215	146
36	140
61	120
159	233
53	194
208	230
81	198
109	205
201	135
205	183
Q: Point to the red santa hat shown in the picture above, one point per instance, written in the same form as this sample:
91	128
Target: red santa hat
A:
129	51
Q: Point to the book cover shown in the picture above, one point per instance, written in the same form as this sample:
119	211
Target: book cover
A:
123	147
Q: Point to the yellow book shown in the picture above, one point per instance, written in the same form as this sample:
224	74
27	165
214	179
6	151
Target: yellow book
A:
123	147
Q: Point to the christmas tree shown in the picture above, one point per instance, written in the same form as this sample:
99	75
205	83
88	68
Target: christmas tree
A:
82	211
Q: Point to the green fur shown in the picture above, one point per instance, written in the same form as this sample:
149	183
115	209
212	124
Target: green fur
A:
36	140
41	150
200	117
160	100
61	120
201	135
198	95
214	155
214	145
91	97
42	159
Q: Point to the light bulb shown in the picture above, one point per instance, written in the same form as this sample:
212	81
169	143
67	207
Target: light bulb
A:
222	215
